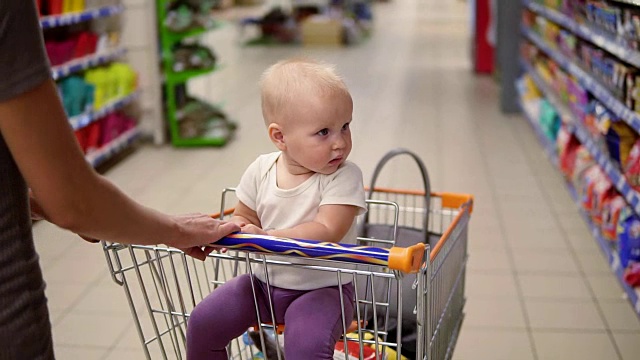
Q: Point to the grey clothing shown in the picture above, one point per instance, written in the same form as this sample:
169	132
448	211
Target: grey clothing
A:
25	330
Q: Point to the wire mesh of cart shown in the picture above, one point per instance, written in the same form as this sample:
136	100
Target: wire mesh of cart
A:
408	271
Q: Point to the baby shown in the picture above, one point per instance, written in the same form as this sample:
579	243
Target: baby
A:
306	190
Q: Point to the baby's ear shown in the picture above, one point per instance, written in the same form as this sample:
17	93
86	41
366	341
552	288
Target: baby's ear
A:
276	136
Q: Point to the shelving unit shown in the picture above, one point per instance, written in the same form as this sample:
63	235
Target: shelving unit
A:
114	147
84	63
618	47
80	121
52	21
612	171
604	162
90	61
168	40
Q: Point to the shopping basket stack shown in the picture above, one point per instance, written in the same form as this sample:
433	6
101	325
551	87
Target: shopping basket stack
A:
408	271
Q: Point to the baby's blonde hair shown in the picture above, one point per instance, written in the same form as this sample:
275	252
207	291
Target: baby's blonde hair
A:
287	79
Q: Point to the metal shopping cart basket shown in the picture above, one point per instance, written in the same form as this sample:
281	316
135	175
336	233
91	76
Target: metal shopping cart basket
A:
408	271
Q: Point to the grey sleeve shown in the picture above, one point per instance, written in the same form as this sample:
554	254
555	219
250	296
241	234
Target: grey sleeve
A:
23	60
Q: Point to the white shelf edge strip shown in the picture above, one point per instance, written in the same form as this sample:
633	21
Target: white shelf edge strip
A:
619	181
80	121
588	82
86	62
600	38
115	146
52	21
612	258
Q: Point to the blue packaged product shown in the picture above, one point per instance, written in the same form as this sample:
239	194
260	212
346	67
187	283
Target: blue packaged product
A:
629	238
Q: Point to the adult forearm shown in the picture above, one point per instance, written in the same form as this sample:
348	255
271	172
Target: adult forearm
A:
102	211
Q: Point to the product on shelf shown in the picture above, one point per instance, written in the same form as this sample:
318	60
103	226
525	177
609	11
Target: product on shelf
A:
582	163
632	167
197	119
102	132
612	207
549	119
192	57
620	138
567	150
629	238
111	82
185	15
77	95
632	275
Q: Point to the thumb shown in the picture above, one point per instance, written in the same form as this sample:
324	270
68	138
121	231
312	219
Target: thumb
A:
228	228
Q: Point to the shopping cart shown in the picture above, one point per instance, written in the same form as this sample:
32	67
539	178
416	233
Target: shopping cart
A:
408	272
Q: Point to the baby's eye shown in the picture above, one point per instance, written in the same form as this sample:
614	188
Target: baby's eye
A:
323	132
345	126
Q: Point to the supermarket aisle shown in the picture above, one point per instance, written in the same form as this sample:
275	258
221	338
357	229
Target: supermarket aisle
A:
537	285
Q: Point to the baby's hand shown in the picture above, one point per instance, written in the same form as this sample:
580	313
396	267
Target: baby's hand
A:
252	229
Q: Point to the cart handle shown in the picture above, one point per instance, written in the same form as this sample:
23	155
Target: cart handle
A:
407	260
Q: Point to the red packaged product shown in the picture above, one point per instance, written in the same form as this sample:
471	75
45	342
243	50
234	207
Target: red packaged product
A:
591	177
612	206
567	147
602	190
632	166
93	136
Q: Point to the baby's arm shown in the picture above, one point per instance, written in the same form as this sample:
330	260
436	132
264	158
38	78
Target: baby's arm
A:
331	224
244	215
247	219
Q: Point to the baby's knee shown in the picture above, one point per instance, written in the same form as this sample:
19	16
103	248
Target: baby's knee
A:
200	318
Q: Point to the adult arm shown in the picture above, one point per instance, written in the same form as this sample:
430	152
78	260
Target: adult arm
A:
73	195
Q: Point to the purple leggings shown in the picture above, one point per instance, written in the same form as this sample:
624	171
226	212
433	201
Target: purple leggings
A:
313	319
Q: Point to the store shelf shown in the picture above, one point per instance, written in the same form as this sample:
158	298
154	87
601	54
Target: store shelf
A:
587	81
122	142
603	160
614	44
80	121
184	76
605	163
86	62
52	21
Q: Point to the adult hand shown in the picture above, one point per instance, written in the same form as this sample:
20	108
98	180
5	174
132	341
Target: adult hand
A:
199	230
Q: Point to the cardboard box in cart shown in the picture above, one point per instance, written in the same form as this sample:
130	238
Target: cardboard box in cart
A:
322	30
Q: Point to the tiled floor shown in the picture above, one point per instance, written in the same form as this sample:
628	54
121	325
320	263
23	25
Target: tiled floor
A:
538	287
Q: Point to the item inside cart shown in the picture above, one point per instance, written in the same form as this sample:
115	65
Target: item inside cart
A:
408	271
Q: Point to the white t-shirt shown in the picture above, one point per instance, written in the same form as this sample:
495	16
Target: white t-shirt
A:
282	209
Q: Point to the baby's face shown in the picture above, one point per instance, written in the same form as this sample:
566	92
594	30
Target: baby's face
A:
317	134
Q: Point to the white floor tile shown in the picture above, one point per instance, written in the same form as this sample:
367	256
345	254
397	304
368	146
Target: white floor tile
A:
494	313
81	352
563	315
617	316
493	344
562	346
628	343
553	287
